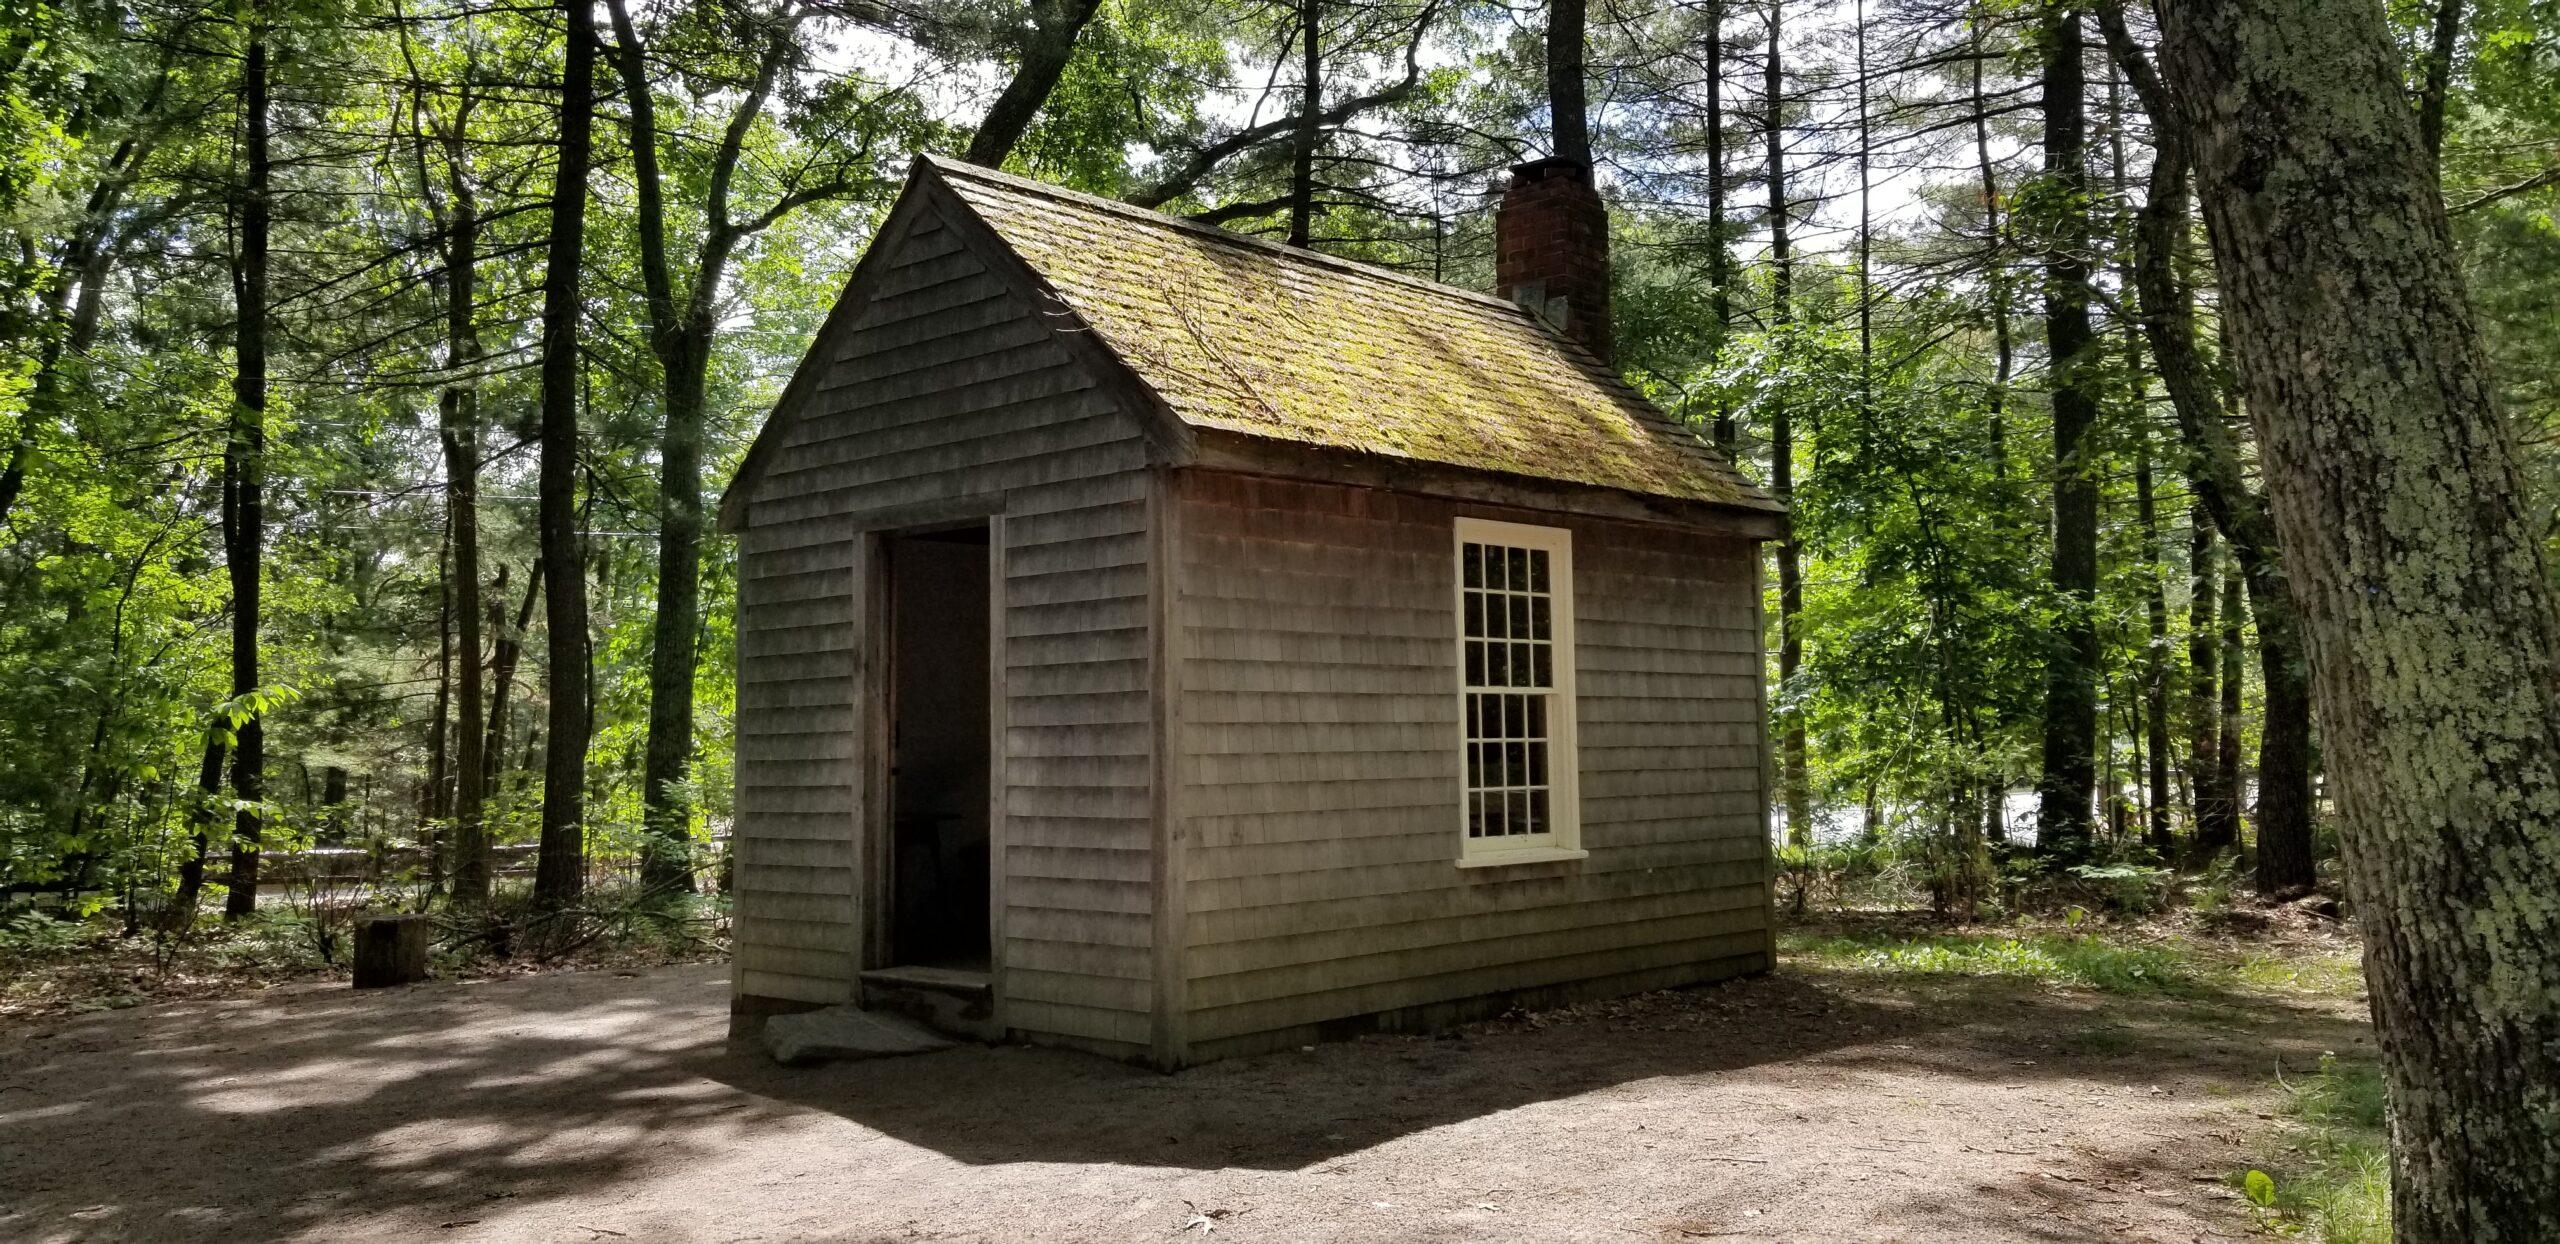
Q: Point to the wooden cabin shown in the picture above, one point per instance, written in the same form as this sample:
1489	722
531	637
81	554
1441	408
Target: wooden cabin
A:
1172	644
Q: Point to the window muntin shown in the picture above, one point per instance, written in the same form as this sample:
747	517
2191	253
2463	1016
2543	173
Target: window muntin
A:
1515	652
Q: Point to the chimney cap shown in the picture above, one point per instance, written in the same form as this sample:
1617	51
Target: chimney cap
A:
1531	172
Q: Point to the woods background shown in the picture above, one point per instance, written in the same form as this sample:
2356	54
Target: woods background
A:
367	375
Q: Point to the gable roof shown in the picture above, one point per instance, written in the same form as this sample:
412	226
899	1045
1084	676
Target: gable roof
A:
1235	335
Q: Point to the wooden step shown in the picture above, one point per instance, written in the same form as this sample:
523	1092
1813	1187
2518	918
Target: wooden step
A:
951	1000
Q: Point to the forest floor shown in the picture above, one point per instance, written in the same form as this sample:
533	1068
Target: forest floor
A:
1886	1084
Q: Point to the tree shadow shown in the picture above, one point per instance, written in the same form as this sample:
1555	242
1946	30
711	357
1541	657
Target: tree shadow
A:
318	1110
1289	1111
265	1117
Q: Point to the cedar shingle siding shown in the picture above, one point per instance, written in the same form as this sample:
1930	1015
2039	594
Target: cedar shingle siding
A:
1226	724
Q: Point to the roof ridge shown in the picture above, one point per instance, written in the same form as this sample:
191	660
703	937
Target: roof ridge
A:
979	172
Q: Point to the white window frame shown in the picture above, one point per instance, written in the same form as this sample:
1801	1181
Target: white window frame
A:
1563	841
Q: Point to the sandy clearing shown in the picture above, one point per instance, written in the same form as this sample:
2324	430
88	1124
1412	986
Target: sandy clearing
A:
602	1106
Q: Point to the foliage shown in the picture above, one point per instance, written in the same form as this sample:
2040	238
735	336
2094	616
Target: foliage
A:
2086	961
1908	359
2332	1180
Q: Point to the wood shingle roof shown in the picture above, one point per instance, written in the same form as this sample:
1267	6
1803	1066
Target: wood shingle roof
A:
1251	338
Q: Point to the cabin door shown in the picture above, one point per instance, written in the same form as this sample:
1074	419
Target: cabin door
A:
939	607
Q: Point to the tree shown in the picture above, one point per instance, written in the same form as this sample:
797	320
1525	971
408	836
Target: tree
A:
2426	602
244	469
1568	109
2071	670
1045	49
1720	252
560	867
2284	812
453	209
1793	778
1310	122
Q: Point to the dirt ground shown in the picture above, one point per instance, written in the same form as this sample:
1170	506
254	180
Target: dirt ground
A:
1809	1105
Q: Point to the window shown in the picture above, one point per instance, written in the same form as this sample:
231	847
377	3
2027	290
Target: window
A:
1515	658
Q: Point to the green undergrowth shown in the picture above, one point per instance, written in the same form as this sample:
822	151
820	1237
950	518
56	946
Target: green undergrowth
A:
2325	1174
2107	960
2085	960
2338	974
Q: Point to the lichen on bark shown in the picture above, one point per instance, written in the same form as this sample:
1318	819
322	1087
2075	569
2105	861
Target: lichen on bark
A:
2427	611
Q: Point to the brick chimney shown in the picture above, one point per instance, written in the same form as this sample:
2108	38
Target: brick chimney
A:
1551	248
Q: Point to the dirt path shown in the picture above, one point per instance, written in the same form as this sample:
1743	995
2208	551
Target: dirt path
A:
604	1106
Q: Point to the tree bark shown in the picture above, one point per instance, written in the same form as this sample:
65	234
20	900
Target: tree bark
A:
2234	651
245	469
2069	779
2004	350
182	905
437	803
2215	472
506	649
682	346
2212	828
1719	255
2426	604
560	866
458	417
683	325
2155	655
1046	49
2437	81
1302	158
1568	95
1794	780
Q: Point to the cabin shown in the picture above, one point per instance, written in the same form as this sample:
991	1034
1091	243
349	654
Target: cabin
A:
1176	645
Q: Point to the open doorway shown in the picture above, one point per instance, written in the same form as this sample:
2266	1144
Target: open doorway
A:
939	688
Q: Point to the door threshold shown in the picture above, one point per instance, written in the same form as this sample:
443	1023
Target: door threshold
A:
920	976
952	1000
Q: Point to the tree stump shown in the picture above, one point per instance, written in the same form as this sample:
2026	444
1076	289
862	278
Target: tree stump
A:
390	950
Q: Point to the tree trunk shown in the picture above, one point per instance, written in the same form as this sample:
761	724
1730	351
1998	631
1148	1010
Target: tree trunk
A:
2426	605
1568	106
245	465
2215	472
1046	49
683	352
2155	655
2227	774
2437	81
560	867
2213	829
2155	601
2287	867
682	328
458	410
2071	671
1719	254
2004	351
505	651
182	905
1302	157
1794	780
437	803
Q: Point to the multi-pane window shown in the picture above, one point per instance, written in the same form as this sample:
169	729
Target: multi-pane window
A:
1515	638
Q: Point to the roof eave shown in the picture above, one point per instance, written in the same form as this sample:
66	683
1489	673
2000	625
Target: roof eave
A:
1219	449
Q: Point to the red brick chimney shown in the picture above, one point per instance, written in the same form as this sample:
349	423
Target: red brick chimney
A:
1551	248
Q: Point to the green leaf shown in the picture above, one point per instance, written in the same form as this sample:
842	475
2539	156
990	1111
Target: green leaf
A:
2260	1188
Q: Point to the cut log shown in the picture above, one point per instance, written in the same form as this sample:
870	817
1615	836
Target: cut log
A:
390	950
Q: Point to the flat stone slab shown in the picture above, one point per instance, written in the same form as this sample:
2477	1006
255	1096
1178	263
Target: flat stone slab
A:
845	1032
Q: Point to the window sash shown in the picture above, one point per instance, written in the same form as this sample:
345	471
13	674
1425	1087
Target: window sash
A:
1514	630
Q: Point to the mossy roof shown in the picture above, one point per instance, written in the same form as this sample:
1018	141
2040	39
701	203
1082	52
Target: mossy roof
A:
1249	337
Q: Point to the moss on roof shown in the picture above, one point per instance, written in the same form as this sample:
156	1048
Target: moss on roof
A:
1249	337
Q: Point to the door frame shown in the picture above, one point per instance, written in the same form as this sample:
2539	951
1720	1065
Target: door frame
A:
874	836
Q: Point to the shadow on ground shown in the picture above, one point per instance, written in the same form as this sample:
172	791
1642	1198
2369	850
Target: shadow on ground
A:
303	1111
